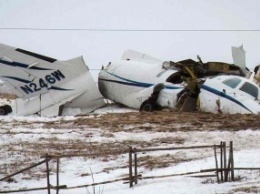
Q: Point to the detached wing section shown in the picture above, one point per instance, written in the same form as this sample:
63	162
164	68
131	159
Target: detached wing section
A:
29	74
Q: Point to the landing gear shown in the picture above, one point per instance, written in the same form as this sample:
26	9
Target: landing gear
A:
5	110
149	106
2	111
146	106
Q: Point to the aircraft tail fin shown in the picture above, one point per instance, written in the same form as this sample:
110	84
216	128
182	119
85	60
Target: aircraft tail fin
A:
77	61
239	57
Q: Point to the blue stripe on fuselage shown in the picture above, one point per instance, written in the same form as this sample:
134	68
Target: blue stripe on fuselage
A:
134	83
128	83
22	65
222	94
17	79
58	88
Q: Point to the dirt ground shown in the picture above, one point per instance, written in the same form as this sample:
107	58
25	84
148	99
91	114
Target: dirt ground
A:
108	125
177	121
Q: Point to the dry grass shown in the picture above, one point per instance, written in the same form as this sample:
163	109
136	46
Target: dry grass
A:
164	121
246	189
8	96
161	161
168	140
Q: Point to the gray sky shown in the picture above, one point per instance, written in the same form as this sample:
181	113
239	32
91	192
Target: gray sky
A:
100	47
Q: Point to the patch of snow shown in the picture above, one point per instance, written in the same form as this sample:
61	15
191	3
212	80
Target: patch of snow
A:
77	171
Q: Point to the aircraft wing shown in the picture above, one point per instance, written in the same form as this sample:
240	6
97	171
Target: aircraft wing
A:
30	74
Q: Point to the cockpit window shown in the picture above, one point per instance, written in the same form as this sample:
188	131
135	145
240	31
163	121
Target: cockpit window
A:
250	89
232	82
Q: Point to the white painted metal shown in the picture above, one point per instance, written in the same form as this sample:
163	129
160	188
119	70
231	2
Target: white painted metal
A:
46	85
217	97
131	81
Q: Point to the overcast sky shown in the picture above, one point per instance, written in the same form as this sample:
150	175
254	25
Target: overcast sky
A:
100	47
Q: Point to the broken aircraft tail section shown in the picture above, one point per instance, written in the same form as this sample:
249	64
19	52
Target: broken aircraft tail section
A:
48	87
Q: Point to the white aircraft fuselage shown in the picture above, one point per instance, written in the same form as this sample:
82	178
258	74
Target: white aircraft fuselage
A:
132	82
145	83
229	94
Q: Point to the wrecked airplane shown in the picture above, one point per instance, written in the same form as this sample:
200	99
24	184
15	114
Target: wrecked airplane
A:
143	82
49	87
46	86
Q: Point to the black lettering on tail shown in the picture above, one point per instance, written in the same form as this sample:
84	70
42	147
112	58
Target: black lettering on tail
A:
58	75
26	89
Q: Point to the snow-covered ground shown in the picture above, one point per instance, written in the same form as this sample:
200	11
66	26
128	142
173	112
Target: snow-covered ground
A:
24	140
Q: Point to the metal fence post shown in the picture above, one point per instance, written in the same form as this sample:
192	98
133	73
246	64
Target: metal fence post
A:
221	159
232	161
225	161
216	161
130	167
57	178
135	160
48	173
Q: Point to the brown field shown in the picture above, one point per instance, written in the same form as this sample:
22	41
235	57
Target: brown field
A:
24	142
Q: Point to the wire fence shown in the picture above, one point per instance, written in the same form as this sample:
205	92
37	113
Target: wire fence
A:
127	30
224	167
